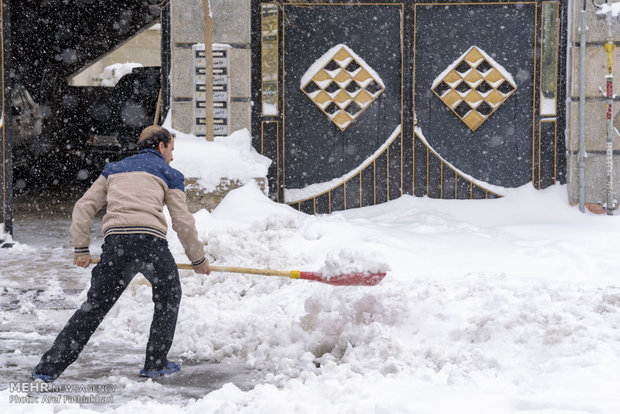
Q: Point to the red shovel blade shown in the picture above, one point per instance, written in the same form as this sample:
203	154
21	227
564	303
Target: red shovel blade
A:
345	279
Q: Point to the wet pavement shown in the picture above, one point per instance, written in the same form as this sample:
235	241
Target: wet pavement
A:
39	291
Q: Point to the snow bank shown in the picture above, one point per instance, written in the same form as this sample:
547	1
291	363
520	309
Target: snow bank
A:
231	157
494	306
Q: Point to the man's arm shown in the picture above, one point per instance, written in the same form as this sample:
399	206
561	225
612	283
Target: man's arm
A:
82	220
184	225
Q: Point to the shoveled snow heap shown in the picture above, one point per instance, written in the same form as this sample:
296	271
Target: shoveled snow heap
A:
231	157
490	307
349	261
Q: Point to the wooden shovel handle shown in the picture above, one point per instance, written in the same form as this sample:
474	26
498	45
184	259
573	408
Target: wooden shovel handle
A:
233	269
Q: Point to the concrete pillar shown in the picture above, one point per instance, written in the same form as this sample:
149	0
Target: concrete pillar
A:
595	126
231	25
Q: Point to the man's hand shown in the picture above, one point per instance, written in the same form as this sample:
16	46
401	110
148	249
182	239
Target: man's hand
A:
81	260
203	268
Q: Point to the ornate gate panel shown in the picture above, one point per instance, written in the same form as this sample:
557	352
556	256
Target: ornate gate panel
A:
332	102
476	97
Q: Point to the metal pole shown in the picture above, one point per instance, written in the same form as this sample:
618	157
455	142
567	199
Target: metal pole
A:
581	158
609	47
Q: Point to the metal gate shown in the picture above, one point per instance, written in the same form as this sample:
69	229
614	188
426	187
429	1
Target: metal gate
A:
361	102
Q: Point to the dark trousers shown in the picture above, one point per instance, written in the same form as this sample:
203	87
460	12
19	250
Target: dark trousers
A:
122	257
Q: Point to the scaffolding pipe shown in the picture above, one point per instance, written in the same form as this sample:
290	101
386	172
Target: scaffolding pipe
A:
581	158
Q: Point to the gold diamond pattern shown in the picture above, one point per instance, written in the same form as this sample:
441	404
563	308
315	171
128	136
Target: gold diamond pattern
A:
473	88
342	88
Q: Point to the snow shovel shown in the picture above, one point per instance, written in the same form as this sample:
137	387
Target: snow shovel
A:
343	279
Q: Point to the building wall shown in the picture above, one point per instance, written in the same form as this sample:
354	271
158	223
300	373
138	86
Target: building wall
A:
595	114
231	25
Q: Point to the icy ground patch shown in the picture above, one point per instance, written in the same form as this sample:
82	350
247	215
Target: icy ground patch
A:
498	306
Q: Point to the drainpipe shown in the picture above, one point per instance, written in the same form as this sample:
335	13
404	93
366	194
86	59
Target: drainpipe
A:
581	158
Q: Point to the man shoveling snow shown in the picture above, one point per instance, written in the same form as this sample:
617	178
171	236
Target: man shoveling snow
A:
135	191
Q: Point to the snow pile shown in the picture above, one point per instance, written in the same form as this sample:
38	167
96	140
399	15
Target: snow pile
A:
605	8
499	305
353	261
231	157
113	73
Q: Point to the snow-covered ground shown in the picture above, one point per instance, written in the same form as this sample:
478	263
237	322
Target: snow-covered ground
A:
489	307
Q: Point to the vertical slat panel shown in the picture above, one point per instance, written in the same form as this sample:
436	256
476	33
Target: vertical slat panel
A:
395	169
548	153
420	168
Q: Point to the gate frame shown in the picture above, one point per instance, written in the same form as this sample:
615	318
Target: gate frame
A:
261	122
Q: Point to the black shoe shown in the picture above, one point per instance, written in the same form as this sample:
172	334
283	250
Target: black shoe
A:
170	368
41	377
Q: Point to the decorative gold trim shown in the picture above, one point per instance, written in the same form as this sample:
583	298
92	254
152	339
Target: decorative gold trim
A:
441	179
475	4
329	200
374	182
413	164
555	154
539	152
294	3
428	163
456	185
360	188
387	171
341	98
472	99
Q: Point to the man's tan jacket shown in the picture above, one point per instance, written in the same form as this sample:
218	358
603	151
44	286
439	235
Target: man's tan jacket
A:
135	191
